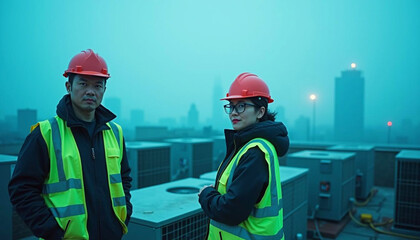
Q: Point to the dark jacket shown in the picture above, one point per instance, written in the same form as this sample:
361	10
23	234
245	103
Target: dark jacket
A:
32	168
250	178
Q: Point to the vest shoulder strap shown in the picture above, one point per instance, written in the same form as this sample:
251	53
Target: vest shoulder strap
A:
259	142
117	130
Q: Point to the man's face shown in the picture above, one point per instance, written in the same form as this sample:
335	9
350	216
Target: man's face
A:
86	92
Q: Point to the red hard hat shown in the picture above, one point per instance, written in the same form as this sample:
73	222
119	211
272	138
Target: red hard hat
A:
248	85
88	63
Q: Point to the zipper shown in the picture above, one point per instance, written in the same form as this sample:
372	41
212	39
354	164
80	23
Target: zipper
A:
93	153
96	206
220	234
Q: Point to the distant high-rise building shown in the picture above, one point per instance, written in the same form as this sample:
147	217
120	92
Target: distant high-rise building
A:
137	117
193	116
11	121
25	119
301	129
114	105
405	132
349	105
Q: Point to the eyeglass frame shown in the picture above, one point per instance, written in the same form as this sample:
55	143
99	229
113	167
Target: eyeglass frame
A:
233	107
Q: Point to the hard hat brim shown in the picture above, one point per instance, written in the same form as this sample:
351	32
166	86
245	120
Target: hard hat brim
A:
270	100
88	73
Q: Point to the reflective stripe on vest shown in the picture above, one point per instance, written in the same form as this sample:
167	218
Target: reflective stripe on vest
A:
272	210
63	190
242	233
268	212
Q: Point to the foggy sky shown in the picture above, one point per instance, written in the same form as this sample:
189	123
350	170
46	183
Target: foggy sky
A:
165	55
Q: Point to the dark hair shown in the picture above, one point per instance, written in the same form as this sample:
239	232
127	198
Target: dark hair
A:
263	102
71	78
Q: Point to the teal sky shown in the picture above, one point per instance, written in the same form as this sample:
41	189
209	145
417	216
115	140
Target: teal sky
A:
165	55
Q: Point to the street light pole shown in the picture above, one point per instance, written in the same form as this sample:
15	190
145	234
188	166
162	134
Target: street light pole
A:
389	131
313	99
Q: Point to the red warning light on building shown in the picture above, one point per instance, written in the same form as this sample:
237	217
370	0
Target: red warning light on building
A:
389	123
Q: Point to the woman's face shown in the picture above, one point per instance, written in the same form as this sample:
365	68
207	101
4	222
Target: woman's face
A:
243	113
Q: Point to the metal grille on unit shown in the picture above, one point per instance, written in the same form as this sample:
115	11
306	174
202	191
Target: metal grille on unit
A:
332	181
168	211
202	158
149	162
364	167
219	151
192	228
12	226
407	192
190	157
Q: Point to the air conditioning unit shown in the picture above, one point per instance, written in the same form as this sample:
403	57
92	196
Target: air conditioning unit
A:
168	211
294	184
149	162
364	165
219	151
407	192
12	226
190	157
332	181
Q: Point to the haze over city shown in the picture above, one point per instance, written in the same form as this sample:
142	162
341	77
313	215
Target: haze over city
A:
164	56
344	77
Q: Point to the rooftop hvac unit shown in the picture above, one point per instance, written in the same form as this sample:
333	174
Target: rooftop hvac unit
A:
294	184
149	162
168	211
190	157
12	226
219	151
332	181
364	166
407	192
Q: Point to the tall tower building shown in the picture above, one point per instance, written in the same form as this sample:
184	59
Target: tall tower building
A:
25	119
349	105
193	116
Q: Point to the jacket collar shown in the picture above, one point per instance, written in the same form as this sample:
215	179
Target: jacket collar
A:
274	132
65	111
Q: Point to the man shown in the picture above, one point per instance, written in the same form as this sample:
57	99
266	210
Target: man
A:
72	179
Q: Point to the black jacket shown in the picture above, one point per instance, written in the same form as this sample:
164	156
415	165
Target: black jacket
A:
32	168
250	178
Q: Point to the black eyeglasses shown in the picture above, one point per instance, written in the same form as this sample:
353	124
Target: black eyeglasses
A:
240	107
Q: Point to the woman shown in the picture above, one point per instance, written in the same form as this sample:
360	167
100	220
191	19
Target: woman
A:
246	202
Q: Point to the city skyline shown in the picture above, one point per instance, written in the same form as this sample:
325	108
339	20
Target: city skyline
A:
163	57
300	129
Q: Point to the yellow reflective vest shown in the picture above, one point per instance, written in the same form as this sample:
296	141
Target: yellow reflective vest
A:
266	219
63	190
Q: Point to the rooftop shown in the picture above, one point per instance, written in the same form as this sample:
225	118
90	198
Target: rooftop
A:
380	206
